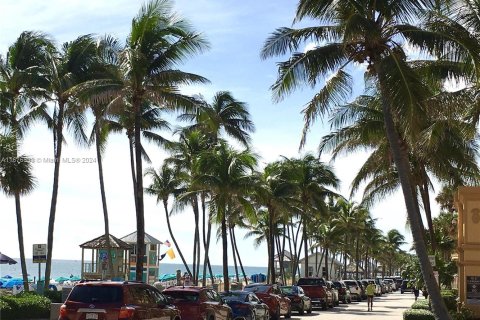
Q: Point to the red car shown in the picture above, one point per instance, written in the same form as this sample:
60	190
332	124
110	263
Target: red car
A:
271	295
198	303
107	300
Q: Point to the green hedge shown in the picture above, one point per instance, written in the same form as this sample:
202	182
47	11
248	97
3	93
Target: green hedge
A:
450	298
418	314
24	306
421	304
54	296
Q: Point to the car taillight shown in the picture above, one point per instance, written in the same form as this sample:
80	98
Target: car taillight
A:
126	313
63	311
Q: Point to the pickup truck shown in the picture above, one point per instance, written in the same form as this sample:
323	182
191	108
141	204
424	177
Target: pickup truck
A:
316	289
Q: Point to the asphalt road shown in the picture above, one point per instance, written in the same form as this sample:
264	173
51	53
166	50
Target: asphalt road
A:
388	306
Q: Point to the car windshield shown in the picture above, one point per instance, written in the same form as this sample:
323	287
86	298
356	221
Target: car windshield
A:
350	283
289	290
96	294
311	282
257	288
183	295
337	285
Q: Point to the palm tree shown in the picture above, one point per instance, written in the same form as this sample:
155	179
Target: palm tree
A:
224	115
164	184
157	43
74	64
394	240
311	179
372	34
20	84
227	173
16	179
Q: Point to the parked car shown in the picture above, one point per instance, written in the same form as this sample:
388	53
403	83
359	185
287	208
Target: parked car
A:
407	286
391	283
198	303
316	289
101	300
246	305
343	291
335	295
271	295
355	289
298	300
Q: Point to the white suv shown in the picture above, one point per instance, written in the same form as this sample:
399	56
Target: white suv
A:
355	288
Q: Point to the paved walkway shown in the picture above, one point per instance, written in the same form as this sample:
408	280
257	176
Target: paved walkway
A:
388	306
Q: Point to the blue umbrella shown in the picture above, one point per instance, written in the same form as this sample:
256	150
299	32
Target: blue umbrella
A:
12	282
167	276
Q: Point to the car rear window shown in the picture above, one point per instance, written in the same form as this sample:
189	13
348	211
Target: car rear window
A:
237	297
337	285
257	288
310	282
183	295
96	294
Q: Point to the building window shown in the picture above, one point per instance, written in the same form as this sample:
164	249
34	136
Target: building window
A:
310	271
153	247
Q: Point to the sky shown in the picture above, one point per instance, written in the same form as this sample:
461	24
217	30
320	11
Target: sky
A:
236	31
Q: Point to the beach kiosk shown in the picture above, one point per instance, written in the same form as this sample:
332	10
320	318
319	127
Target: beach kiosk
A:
150	262
97	267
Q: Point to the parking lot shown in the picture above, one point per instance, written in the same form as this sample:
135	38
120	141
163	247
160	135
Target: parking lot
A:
388	306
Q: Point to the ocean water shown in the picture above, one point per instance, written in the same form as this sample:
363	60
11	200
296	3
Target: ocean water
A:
66	268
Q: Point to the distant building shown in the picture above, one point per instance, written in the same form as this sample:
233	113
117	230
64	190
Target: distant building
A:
150	260
286	264
317	262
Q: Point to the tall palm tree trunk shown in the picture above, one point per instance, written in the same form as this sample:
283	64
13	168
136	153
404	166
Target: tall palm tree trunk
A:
271	245
226	280
305	247
196	241
234	255
104	203
345	258
139	196
239	258
400	160
357	257
165	207
21	245
132	166
428	214
58	143
326	264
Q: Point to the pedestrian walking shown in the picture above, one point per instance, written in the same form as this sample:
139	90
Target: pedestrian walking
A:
425	292
416	292
370	290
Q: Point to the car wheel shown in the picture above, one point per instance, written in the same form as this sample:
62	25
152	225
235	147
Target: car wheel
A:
310	309
324	306
289	314
359	298
302	308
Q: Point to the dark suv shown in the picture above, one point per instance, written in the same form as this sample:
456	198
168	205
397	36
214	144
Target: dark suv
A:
107	300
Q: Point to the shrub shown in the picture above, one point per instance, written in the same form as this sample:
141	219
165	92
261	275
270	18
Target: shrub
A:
463	314
418	314
450	299
24	306
54	296
421	304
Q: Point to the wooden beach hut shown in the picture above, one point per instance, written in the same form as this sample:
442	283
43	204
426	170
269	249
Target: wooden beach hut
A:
150	260
97	267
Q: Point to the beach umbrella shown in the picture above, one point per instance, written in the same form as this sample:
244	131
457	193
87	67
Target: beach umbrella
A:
62	279
6	259
74	278
7	277
167	276
12	282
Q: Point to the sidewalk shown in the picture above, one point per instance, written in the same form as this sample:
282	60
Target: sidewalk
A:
388	306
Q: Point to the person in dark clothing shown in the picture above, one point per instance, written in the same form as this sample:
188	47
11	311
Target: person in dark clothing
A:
425	292
416	292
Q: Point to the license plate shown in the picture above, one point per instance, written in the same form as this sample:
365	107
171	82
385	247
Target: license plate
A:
91	316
